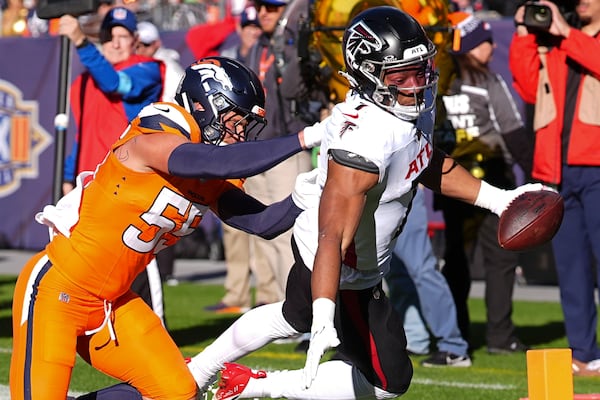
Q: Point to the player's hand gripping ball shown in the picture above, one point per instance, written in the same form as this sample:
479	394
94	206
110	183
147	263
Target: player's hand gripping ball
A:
530	220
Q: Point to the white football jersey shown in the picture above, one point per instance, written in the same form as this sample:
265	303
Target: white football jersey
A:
400	150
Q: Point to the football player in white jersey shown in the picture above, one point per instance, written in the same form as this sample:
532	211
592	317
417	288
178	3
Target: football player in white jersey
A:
376	147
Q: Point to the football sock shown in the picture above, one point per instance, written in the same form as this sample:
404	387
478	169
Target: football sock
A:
251	331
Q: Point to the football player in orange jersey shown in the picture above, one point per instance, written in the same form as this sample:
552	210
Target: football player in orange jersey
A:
166	170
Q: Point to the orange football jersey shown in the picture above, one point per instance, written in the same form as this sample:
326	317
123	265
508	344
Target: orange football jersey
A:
126	217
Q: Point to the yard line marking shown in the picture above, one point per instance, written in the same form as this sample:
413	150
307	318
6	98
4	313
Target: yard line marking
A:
485	386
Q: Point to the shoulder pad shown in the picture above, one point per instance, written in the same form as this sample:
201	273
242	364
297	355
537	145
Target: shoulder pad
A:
353	160
168	118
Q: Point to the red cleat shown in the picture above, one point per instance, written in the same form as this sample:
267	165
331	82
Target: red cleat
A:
234	378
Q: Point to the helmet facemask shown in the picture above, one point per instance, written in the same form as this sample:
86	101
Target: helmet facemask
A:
386	95
223	111
225	98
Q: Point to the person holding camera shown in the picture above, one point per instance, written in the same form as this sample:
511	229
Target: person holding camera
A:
557	68
485	119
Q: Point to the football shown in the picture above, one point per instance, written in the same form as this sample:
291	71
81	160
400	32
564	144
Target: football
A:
530	220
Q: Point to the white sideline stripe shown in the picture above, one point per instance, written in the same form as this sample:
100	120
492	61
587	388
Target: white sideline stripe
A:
5	394
494	386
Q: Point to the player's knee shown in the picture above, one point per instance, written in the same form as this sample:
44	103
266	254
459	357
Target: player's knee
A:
184	389
122	391
180	385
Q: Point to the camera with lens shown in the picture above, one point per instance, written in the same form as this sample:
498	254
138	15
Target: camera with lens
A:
537	16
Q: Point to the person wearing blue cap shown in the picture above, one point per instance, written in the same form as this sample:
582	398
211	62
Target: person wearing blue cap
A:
245	36
114	87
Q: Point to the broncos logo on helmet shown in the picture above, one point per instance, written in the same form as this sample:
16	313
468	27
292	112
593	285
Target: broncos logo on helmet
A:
212	87
210	70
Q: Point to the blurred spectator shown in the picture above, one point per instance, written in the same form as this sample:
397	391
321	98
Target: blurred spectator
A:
90	23
503	7
290	107
238	44
116	85
179	15
294	100
417	288
36	26
205	39
557	69
482	112
240	257
150	45
132	5
487	7
468	6
241	263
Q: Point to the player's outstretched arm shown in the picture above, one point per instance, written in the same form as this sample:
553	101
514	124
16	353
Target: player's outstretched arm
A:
239	160
173	154
244	212
340	210
444	175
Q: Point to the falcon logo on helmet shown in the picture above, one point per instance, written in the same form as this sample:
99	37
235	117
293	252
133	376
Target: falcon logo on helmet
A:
361	40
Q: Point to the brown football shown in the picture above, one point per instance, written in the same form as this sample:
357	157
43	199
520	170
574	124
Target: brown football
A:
530	220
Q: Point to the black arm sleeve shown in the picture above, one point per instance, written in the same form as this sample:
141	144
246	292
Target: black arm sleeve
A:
239	160
520	144
244	212
431	177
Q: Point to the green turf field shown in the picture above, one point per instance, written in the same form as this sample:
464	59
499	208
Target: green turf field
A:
490	378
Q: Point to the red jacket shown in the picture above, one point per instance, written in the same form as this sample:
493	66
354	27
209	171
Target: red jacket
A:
549	100
105	115
204	40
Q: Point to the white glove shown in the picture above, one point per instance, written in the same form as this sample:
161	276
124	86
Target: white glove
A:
497	200
313	135
323	336
307	191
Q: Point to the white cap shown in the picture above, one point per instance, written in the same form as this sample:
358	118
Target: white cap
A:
147	32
